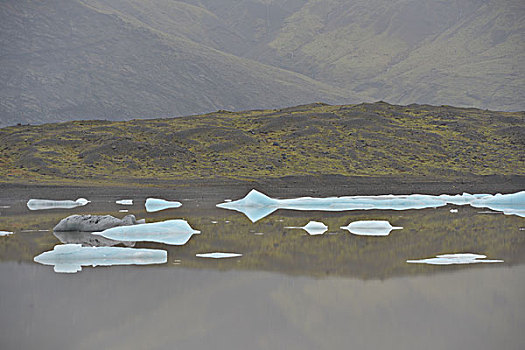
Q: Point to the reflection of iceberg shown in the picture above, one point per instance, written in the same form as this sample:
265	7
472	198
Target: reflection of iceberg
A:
173	232
257	205
313	228
71	257
87	239
125	202
370	228
39	204
5	233
452	259
218	255
155	204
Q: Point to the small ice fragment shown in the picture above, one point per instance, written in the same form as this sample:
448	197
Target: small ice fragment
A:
5	233
123	211
5	206
218	255
69	258
40	204
125	202
214	222
454	259
227	221
370	228
173	232
313	228
453	210
259	233
227	200
155	204
43	230
177	260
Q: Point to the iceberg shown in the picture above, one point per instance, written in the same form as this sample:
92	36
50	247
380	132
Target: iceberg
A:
125	202
155	204
218	255
69	258
172	232
453	259
87	239
90	223
257	205
370	228
5	233
313	228
41	204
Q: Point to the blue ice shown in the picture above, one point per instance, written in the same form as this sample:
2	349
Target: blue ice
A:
313	228
218	255
257	205
156	204
370	228
455	259
40	204
172	232
70	258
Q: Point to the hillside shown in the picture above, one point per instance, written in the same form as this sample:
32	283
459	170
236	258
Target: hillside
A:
121	59
65	60
440	143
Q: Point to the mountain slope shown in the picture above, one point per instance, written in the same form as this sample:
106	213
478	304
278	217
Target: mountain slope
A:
65	60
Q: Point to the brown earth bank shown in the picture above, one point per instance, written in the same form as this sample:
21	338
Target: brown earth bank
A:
217	189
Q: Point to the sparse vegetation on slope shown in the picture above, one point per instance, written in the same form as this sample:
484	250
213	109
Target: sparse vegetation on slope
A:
353	140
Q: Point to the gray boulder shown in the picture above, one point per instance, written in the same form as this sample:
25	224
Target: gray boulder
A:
91	223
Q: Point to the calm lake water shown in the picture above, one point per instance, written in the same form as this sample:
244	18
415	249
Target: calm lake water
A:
288	290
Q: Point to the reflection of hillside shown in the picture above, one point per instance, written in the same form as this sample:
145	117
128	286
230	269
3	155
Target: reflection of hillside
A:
425	233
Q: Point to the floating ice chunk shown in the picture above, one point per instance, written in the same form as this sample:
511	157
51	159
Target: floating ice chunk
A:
40	204
90	223
370	228
218	255
5	206
70	258
5	233
125	202
453	210
155	204
313	228
453	259
123	211
257	205
87	239
173	232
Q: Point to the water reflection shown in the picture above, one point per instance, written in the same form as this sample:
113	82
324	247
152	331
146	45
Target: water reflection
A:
69	258
41	204
87	239
90	223
370	228
5	233
313	228
125	202
256	205
155	204
173	232
453	259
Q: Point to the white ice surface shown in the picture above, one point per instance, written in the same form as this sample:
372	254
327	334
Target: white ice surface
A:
257	205
172	232
218	255
70	258
5	233
156	204
125	202
370	228
453	259
40	204
313	228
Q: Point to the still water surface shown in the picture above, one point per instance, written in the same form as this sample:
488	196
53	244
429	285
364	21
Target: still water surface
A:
288	290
